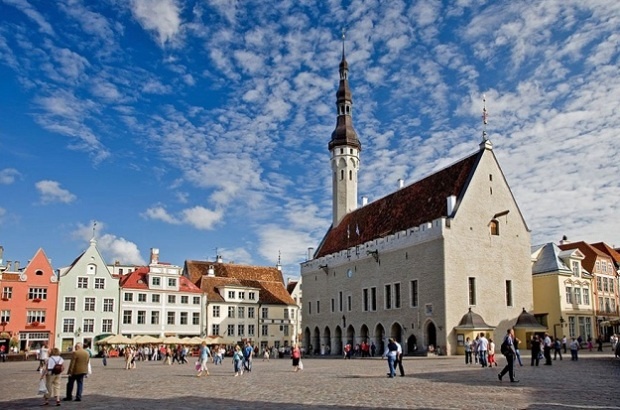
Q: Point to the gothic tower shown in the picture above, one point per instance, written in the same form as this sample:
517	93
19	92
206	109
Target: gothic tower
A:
345	150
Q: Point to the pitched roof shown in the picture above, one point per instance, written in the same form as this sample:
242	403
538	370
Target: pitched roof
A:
290	287
603	247
548	260
473	321
267	280
590	253
411	206
138	279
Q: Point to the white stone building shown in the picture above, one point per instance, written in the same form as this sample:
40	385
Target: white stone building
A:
157	300
412	264
87	301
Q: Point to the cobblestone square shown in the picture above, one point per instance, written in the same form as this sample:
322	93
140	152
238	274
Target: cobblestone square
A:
430	383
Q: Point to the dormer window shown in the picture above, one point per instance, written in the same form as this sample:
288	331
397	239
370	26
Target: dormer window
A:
231	294
576	266
494	227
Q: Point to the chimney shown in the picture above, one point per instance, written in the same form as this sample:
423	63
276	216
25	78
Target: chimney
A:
8	266
564	240
310	253
211	271
364	200
16	266
451	203
154	256
1	255
401	183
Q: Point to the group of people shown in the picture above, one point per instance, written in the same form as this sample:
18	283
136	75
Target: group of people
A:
363	349
482	351
52	366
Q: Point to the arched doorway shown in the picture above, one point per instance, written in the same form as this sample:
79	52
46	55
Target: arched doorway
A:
412	344
338	342
364	334
307	340
351	335
396	333
431	335
326	346
316	341
380	339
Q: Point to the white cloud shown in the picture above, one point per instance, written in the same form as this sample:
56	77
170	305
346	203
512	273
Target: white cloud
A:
25	7
112	247
198	217
161	16
51	192
8	176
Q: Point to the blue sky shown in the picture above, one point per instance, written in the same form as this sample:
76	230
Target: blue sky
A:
192	126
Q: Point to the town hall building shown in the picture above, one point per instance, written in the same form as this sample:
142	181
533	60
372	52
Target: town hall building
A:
419	263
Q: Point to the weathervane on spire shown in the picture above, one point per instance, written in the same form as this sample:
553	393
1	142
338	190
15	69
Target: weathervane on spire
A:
485	118
94	228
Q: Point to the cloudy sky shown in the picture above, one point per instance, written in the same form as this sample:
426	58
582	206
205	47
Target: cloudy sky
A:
201	126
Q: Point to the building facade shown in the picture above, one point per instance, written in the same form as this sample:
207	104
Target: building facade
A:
604	287
294	289
87	301
157	300
28	302
411	265
562	291
245	303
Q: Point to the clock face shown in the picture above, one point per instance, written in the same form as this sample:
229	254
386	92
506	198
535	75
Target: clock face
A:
349	273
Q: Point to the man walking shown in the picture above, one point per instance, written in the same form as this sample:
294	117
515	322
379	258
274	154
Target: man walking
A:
399	359
78	368
508	350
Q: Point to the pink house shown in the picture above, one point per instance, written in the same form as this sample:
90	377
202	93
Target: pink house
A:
28	302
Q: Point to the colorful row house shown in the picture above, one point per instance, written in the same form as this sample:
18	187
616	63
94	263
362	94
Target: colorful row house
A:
28	302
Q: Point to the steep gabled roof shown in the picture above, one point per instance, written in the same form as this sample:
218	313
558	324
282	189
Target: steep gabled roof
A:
614	254
590	253
268	281
138	279
290	287
411	206
548	260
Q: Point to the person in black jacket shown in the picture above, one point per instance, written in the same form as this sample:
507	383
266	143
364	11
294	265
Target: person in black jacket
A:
535	350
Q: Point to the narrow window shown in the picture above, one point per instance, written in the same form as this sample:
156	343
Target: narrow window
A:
494	226
508	293
414	293
388	296
472	291
342	174
373	299
350	175
397	296
365	301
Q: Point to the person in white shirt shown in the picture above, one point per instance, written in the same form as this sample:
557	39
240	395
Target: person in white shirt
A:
399	359
43	355
483	347
547	349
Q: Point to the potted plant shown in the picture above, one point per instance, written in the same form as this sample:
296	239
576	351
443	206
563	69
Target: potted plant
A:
35	324
36	300
5	299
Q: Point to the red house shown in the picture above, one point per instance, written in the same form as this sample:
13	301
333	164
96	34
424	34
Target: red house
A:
28	302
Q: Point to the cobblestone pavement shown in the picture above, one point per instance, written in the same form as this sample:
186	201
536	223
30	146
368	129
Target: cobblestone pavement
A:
430	383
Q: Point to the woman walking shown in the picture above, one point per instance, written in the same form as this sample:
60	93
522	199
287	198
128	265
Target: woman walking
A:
238	361
296	356
51	373
205	353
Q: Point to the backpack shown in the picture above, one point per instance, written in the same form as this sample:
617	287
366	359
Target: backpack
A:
505	348
58	368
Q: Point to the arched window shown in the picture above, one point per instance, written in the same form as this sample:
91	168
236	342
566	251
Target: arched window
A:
494	226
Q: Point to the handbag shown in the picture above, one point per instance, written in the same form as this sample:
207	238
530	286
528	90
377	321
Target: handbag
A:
301	365
198	366
42	387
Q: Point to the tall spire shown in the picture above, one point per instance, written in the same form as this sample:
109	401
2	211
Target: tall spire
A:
344	134
485	144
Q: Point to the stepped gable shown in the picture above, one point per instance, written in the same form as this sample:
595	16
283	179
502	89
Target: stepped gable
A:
138	279
267	280
411	206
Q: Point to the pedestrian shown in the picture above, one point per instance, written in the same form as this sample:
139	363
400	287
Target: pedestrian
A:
296	357
104	356
547	349
574	348
491	354
266	354
78	368
238	361
468	345
483	347
43	356
590	346
516	342
564	343
557	348
599	342
391	350
248	353
535	350
399	359
205	353
508	350
474	348
51	372
373	349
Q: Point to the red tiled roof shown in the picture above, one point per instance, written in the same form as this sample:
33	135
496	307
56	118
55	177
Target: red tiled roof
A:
138	279
411	206
589	252
267	280
603	247
291	286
